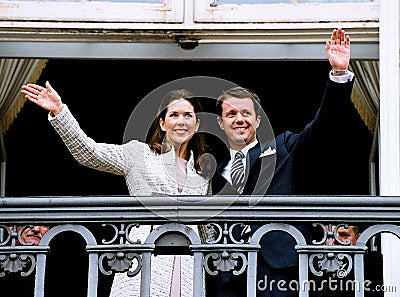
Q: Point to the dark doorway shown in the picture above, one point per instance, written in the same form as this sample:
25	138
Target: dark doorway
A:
102	94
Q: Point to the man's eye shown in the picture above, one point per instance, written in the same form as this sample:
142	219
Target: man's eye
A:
344	235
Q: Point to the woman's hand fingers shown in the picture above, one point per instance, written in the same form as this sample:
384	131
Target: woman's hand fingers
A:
46	98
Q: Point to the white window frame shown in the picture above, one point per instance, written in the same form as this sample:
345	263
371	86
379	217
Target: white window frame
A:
205	11
169	11
389	141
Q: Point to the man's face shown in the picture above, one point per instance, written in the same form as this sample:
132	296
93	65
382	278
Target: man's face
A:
344	234
34	234
239	121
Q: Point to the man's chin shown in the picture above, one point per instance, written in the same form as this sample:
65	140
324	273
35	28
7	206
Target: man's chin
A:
240	142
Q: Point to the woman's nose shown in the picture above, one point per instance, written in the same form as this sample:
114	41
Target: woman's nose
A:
181	119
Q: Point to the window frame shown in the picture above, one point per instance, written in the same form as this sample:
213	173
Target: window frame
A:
169	11
207	11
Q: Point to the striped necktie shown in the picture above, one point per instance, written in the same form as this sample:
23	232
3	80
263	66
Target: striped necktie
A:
237	172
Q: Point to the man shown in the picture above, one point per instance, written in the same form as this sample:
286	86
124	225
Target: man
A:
350	234
66	262
331	285
33	234
273	166
13	284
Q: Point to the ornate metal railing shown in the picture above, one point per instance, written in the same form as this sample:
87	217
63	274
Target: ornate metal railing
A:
172	215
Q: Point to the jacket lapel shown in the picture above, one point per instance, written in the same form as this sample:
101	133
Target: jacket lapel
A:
261	161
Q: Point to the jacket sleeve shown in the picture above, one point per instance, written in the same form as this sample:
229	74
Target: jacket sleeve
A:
330	123
100	156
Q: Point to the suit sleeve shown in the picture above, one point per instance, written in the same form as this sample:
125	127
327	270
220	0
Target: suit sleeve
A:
330	123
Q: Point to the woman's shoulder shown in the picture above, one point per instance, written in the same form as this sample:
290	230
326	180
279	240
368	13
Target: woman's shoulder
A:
136	147
135	143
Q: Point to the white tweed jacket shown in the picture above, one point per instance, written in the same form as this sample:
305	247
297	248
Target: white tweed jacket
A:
146	173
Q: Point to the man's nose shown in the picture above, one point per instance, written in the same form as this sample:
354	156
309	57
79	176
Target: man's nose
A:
36	228
239	117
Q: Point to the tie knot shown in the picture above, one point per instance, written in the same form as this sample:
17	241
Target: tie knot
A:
239	155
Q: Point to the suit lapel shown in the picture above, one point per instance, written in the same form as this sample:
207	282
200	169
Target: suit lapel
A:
253	169
220	186
223	164
257	168
252	157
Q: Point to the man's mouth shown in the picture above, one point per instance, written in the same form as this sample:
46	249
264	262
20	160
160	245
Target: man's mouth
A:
240	128
38	236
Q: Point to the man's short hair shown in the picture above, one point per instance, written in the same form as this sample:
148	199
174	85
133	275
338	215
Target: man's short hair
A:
239	92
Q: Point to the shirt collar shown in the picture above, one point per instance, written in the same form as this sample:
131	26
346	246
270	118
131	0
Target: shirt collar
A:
244	150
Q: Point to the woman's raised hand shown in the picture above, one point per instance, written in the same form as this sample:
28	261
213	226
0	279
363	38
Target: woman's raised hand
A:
45	97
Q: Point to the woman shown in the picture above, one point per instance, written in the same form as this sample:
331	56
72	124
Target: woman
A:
168	164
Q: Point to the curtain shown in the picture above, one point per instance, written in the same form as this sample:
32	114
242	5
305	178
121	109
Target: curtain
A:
13	74
365	96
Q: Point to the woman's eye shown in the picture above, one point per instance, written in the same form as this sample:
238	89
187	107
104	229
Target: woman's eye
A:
189	115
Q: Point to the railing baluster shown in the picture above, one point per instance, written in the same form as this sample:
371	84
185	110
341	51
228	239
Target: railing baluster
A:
93	274
40	274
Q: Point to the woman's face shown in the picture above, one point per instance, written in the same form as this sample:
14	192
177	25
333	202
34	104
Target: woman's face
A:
180	122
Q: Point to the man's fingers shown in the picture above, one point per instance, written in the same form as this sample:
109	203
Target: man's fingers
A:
334	36
342	38
348	41
339	37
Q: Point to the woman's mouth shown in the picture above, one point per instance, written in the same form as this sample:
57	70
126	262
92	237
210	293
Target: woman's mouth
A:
180	131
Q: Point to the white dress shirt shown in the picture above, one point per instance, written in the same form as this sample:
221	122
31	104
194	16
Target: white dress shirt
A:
226	173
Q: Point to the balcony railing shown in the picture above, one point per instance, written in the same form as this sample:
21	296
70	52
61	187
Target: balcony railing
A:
172	215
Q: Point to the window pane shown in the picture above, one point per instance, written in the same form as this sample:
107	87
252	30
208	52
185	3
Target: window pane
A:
131	1
333	1
46	0
285	1
127	1
252	1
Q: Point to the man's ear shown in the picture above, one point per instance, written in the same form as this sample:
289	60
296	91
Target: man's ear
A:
162	125
258	120
220	123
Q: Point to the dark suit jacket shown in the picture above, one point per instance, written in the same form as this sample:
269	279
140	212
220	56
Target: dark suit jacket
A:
281	173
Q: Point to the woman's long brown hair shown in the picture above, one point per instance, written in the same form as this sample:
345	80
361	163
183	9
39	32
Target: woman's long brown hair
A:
196	144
